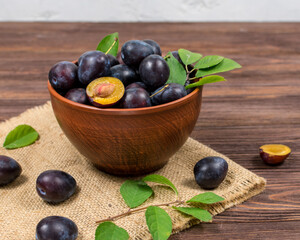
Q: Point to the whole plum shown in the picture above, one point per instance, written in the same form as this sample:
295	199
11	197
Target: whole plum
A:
155	46
135	98
168	93
92	65
112	60
137	85
10	169
126	74
210	172
56	228
63	76
189	90
55	186
154	71
77	95
134	51
119	58
176	55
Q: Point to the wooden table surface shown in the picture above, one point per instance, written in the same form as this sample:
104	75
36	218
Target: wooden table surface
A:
259	104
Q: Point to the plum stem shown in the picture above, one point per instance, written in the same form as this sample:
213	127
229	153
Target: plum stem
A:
187	77
193	70
111	46
188	73
130	211
167	56
159	91
187	70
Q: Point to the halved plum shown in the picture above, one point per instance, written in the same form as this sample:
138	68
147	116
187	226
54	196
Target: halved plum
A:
274	154
105	91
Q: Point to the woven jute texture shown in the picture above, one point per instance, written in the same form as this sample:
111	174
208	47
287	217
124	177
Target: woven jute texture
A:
98	194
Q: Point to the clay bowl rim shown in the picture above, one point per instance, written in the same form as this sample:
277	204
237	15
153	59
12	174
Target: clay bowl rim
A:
120	111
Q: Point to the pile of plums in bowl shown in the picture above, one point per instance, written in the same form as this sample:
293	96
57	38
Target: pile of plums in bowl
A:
129	111
140	80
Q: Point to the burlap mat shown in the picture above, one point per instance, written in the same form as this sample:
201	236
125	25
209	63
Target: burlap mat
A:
98	193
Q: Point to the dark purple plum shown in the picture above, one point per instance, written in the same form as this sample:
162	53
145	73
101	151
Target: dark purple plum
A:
56	228
137	85
119	58
124	73
77	95
63	76
135	98
189	90
168	93
176	55
92	65
133	52
112	60
10	169
155	46
55	186
210	172
154	71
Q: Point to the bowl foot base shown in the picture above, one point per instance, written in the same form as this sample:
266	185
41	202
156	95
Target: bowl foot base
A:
129	172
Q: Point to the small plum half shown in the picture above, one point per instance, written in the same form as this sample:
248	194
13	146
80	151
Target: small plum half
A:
274	154
105	92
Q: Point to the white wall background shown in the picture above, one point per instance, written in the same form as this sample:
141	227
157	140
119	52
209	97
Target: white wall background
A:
149	10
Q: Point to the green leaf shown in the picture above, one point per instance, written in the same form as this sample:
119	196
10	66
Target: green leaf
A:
199	213
188	57
108	41
110	231
160	179
224	66
177	71
206	80
21	136
207	198
159	223
135	192
209	61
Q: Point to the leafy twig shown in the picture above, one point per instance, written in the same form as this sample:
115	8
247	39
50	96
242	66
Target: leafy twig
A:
130	211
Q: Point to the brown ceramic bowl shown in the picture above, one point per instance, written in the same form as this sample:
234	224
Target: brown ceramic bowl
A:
127	141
